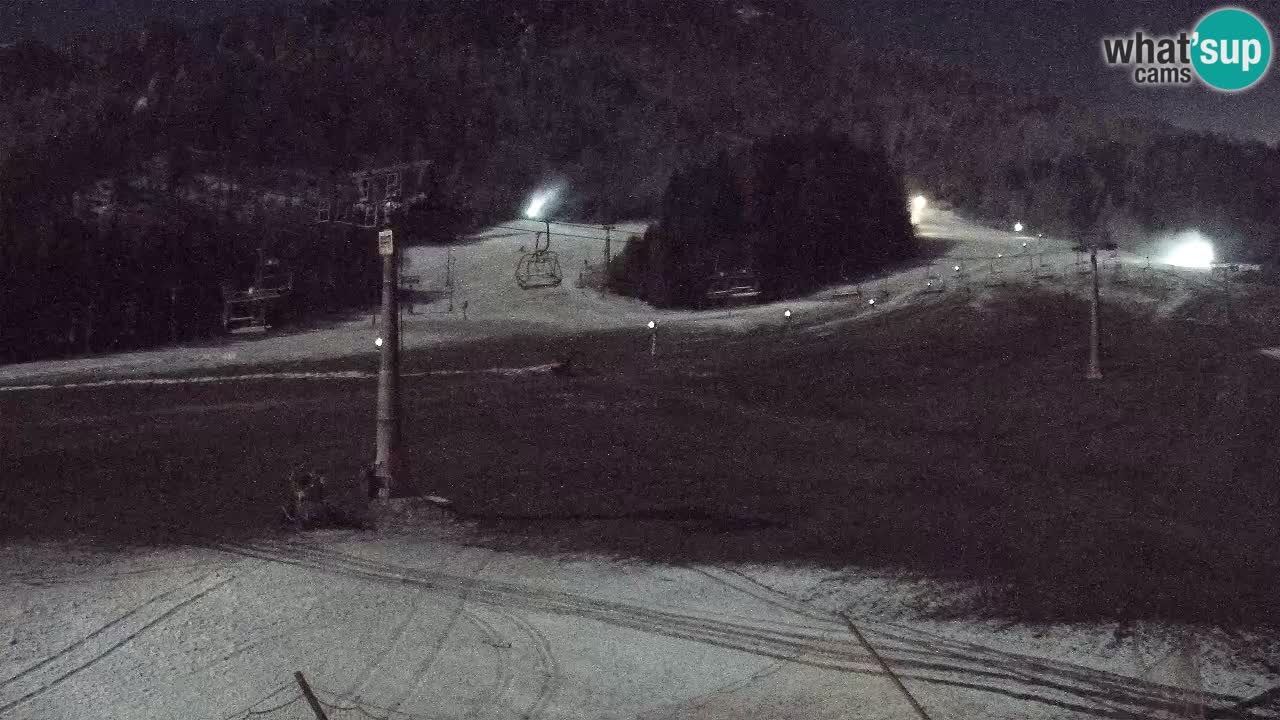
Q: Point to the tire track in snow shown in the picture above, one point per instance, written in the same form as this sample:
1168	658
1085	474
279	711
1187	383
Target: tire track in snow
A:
694	703
924	650
96	657
358	685
299	621
503	674
101	629
462	612
1045	684
552	673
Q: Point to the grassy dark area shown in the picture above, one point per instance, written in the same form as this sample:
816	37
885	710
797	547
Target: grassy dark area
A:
112	463
953	441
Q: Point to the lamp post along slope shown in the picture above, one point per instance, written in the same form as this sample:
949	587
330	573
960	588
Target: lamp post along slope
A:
387	457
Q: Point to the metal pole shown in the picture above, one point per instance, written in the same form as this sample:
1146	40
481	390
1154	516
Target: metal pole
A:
312	700
1095	372
386	461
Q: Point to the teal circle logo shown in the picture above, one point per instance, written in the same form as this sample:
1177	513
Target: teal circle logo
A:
1231	49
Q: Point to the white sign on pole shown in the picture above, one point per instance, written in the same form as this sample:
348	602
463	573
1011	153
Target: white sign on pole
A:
385	244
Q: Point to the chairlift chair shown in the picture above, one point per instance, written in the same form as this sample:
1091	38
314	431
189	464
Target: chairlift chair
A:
248	308
540	268
273	277
732	287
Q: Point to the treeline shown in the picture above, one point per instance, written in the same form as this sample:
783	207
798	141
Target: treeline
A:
1048	164
610	96
792	212
156	273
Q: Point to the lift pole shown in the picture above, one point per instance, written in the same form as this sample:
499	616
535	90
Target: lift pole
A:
387	458
1095	371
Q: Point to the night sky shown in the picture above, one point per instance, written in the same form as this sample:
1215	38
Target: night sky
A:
1055	46
1046	44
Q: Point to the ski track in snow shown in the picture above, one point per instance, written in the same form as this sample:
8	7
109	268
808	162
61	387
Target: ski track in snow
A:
788	639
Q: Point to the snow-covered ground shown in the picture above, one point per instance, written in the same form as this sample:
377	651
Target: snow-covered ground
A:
484	278
428	626
431	626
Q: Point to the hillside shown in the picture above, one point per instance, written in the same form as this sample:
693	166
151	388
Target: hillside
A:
611	97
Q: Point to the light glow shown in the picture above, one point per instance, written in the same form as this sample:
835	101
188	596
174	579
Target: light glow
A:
377	342
1017	227
1192	250
652	324
918	204
538	204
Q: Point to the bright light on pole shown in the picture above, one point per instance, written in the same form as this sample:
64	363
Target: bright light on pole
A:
1193	252
542	201
536	206
918	204
377	342
1017	227
537	210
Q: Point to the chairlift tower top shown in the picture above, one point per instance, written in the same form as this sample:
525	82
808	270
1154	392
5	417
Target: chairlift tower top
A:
374	188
